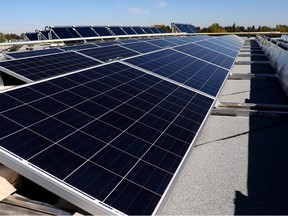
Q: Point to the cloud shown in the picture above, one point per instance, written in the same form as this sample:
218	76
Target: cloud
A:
161	5
138	11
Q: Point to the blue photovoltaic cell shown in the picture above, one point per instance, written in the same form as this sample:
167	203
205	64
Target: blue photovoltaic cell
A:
109	53
207	54
43	67
183	69
26	54
141	47
119	138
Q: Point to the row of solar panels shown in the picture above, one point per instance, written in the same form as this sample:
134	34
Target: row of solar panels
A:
53	62
112	136
281	43
188	28
64	32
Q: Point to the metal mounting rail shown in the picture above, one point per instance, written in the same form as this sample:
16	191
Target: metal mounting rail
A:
239	76
250	55
252	63
251	109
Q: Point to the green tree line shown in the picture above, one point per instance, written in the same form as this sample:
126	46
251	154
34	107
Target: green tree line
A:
216	28
9	37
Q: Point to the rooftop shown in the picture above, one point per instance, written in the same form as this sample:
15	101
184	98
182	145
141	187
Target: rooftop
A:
239	162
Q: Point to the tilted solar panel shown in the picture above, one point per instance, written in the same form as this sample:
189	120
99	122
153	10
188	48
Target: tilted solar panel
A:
162	43
109	53
129	30
117	30
219	48
102	31
85	31
184	69
147	30
109	138
138	30
176	40
208	55
42	67
65	32
31	36
141	47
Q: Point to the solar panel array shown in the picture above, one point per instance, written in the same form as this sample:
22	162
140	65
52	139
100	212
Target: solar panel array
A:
112	137
64	32
188	28
24	54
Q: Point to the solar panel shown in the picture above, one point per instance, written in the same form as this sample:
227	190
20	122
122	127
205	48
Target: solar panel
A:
102	31
65	32
185	28
42	67
147	30
117	30
138	30
44	35
183	69
155	30
32	36
230	45
116	144
109	53
207	54
175	40
85	31
141	47
129	30
218	48
26	54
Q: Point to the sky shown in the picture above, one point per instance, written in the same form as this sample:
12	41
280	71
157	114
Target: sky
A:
18	16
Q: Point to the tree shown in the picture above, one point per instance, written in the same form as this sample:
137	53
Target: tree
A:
234	27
